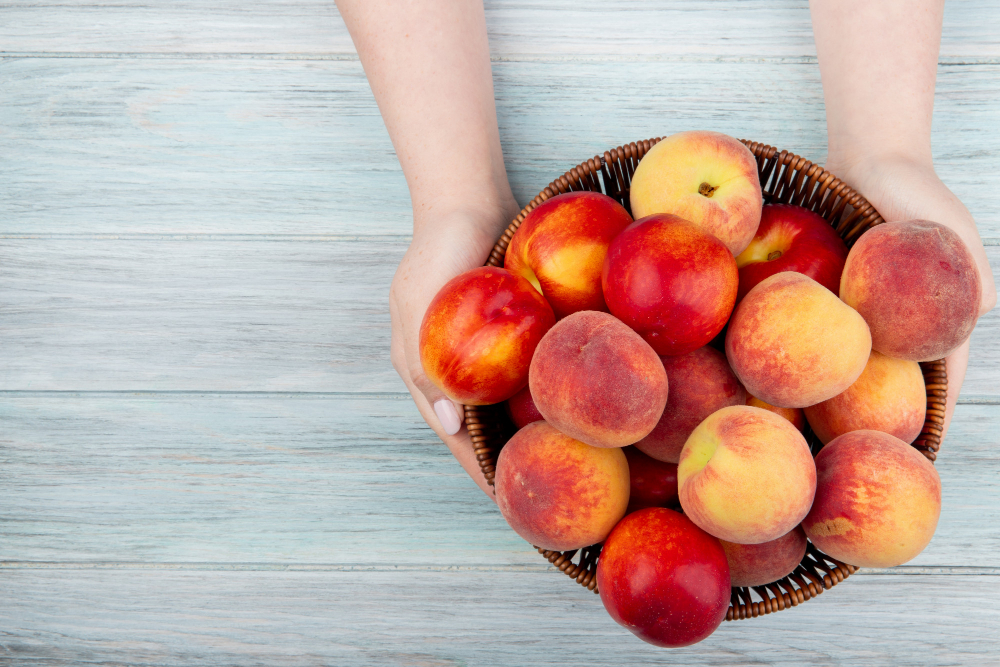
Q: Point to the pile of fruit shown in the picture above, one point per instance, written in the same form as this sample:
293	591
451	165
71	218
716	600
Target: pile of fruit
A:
661	372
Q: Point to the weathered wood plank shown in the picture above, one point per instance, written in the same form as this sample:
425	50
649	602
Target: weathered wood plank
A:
666	28
462	618
292	147
178	315
323	479
246	315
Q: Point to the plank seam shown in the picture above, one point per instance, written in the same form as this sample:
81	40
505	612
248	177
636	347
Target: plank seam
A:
947	61
906	570
209	236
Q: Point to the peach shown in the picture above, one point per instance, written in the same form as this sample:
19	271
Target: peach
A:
890	396
653	483
917	286
663	578
596	380
877	500
671	282
560	248
705	177
479	333
746	475
794	415
557	492
793	343
521	408
701	382
760	564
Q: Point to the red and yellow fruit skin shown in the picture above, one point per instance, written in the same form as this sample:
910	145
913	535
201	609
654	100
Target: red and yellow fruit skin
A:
560	248
890	396
917	286
558	493
794	415
793	343
663	578
670	176
596	380
746	475
479	333
671	282
521	408
760	564
798	240
877	500
652	483
701	382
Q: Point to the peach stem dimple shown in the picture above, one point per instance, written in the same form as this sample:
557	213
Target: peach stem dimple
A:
774	255
706	190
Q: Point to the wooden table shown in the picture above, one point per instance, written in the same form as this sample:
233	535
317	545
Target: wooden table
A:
205	455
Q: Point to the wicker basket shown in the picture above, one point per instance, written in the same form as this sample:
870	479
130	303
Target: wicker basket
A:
785	178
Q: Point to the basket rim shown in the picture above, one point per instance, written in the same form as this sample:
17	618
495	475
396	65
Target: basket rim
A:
785	177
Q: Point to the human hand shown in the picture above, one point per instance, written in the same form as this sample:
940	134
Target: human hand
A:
454	243
904	189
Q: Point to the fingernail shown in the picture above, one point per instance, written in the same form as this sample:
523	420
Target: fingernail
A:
448	416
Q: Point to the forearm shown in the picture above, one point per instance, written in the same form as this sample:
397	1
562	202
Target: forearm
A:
878	62
429	68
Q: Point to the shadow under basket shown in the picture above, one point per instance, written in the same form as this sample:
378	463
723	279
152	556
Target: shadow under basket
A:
785	178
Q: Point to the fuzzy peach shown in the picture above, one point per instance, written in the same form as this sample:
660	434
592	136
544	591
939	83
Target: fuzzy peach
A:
705	177
557	492
746	475
793	343
701	382
760	564
479	333
890	396
596	380
560	248
917	286
877	500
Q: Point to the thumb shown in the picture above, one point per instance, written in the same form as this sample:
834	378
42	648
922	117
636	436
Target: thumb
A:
450	414
405	356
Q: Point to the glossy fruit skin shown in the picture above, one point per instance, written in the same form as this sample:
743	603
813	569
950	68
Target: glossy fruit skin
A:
806	242
652	483
560	248
674	284
479	334
663	578
521	408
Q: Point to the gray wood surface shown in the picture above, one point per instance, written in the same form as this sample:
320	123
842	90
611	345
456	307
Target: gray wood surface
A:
431	619
323	479
235	146
205	456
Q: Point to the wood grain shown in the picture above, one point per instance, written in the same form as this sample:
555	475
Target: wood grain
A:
120	146
435	619
331	480
664	28
258	314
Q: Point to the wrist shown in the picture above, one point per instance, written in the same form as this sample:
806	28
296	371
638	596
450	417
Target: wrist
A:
855	164
476	211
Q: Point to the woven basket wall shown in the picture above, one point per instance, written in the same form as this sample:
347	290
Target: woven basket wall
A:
787	179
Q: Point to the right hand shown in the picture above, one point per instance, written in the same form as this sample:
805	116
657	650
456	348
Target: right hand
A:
451	245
